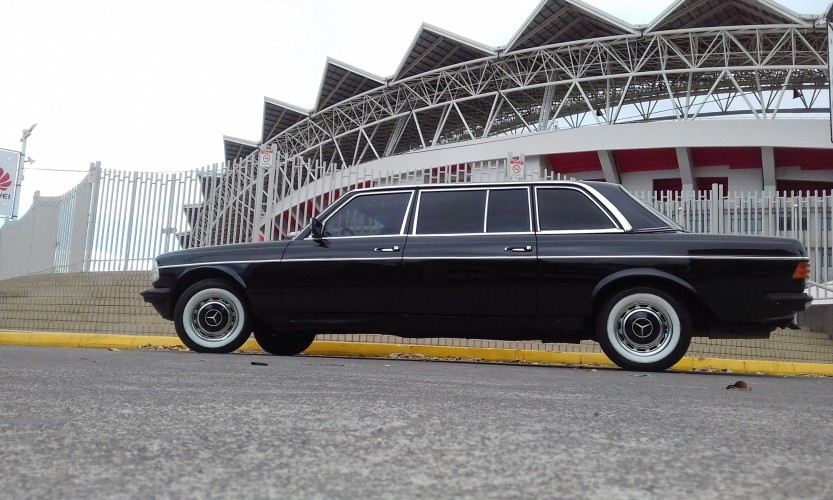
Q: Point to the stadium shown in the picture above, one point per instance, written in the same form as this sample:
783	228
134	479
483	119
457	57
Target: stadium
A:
711	95
717	113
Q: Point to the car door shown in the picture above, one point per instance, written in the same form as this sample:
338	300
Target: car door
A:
573	232
356	267
471	252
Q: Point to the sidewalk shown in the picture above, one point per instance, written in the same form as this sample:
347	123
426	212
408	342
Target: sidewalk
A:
367	350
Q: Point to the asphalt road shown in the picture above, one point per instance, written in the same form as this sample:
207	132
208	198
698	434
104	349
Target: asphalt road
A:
80	423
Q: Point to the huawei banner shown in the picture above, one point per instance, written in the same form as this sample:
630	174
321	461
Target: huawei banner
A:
8	172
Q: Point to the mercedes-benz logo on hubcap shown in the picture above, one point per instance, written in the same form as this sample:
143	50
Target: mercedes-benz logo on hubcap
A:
213	318
642	327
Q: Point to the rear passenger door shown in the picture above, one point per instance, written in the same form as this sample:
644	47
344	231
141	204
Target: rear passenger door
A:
574	229
471	251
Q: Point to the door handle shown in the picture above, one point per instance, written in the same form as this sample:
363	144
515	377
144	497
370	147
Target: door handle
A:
394	248
525	249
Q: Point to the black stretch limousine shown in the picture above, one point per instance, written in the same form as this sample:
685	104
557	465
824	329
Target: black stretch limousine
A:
553	261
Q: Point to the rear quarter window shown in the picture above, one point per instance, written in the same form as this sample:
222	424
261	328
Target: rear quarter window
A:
565	209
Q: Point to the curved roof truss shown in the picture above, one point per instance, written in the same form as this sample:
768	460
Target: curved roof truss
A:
763	72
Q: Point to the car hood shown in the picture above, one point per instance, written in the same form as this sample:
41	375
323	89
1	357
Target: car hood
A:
240	252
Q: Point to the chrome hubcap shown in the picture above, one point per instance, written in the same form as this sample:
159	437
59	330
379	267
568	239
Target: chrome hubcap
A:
643	329
214	319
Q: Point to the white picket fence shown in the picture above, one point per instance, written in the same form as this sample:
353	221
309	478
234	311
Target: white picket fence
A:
120	221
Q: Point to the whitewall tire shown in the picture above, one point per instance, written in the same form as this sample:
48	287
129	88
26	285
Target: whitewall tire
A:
644	329
212	316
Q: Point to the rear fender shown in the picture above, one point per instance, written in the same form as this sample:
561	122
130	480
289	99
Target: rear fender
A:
647	275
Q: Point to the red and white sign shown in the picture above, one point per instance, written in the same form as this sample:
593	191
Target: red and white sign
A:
517	169
8	172
267	156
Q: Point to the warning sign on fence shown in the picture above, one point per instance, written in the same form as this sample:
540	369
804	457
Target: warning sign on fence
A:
267	157
517	169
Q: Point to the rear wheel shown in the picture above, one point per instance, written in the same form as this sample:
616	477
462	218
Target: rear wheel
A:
212	316
644	329
282	343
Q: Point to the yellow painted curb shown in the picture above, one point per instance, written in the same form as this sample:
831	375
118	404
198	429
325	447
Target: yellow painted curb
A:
367	350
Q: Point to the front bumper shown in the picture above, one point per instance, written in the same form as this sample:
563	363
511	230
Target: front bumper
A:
160	299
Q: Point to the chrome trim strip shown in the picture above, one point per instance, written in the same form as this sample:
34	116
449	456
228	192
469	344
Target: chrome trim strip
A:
277	261
219	262
351	259
623	221
358	237
550	257
481	235
584	231
486	212
494	257
681	257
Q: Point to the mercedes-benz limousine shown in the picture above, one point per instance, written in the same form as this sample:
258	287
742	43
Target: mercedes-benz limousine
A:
551	261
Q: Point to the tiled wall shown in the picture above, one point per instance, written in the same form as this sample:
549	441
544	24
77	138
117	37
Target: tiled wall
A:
80	303
110	303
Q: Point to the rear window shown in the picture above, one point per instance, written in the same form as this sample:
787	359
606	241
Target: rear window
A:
565	209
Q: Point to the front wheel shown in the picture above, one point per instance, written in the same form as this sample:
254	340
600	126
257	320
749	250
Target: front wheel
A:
283	344
212	316
644	329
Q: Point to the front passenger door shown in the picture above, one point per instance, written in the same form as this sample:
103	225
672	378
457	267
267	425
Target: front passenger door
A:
356	268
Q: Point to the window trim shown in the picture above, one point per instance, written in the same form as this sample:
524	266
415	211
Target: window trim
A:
530	228
484	231
604	207
375	193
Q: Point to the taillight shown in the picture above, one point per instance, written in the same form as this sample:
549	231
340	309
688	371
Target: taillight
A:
802	271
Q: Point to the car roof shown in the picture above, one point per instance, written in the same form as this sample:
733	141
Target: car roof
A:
465	185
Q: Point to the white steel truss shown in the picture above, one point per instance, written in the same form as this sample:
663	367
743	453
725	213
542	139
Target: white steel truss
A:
763	72
673	75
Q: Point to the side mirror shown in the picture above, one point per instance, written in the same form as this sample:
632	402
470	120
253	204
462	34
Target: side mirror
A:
316	228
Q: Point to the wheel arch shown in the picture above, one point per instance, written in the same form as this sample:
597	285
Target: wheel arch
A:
700	314
198	274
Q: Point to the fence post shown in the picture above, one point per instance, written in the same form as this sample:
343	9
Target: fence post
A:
93	214
133	188
263	160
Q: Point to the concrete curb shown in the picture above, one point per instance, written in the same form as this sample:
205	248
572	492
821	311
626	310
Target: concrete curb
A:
365	350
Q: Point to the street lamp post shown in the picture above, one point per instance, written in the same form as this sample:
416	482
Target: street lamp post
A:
21	164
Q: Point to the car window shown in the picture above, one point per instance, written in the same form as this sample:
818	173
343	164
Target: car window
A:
369	215
569	210
508	211
451	212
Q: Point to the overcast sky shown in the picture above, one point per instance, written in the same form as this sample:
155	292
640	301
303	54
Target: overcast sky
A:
154	85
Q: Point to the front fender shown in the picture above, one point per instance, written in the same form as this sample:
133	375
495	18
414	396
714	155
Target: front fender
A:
212	271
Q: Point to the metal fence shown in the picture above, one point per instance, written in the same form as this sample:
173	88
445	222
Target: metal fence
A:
119	221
